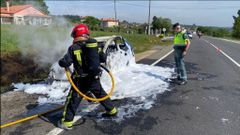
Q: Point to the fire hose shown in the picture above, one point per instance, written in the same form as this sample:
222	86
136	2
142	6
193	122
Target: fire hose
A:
68	74
85	96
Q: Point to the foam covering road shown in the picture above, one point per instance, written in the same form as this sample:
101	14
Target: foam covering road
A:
208	105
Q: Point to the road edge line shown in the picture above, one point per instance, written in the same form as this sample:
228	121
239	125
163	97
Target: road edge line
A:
57	130
230	58
236	42
160	59
228	40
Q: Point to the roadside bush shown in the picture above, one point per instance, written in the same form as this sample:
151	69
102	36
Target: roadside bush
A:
161	36
236	26
215	31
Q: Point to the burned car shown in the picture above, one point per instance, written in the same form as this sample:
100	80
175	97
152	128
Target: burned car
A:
117	49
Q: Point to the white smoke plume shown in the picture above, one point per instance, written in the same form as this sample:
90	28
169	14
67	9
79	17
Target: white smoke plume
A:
45	44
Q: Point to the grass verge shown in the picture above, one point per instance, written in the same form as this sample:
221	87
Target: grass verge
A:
12	34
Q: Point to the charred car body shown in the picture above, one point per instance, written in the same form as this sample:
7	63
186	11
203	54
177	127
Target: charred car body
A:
115	47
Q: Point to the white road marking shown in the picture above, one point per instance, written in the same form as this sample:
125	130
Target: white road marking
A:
57	131
218	49
233	41
153	64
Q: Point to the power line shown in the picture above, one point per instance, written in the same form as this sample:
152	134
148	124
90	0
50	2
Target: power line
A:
153	6
167	7
62	4
131	4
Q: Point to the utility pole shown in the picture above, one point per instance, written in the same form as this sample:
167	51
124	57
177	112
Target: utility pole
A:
149	15
115	10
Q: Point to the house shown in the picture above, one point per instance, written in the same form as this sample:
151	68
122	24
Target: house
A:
23	15
109	22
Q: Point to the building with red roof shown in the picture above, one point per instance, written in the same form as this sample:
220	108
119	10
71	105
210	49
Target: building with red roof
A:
109	22
23	15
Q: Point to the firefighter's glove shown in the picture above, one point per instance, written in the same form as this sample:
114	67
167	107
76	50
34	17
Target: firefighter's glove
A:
62	63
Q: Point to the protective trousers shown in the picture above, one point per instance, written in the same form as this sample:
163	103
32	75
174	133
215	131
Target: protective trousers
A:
179	61
85	84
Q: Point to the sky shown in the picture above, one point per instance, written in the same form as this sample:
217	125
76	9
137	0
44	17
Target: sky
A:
207	13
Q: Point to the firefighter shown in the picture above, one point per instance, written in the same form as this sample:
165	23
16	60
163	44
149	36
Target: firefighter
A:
181	47
84	56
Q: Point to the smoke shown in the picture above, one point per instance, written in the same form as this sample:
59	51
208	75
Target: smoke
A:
44	44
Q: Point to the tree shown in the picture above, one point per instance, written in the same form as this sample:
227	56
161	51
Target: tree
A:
159	22
156	23
75	19
214	31
92	22
39	4
167	23
193	27
236	26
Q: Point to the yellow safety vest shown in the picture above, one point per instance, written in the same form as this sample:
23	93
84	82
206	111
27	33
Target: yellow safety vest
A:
179	39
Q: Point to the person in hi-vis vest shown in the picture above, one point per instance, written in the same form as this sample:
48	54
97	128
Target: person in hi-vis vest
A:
181	46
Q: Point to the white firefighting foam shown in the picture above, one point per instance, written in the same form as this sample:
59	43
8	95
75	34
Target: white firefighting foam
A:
134	82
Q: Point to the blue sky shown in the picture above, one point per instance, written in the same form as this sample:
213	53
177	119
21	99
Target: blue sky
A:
210	13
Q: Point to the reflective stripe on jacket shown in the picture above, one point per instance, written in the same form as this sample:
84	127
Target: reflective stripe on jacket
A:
85	57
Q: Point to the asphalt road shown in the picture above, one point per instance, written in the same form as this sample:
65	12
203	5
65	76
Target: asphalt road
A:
208	105
232	49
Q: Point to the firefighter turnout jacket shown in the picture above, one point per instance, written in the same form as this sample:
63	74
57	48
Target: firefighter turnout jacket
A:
86	58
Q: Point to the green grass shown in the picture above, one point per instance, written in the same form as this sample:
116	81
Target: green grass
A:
140	42
14	37
8	40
